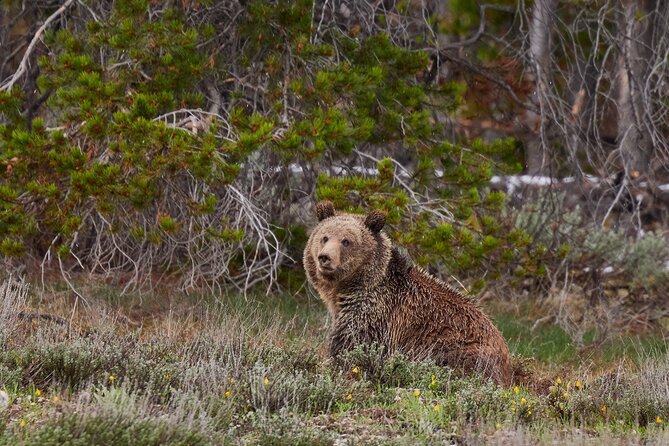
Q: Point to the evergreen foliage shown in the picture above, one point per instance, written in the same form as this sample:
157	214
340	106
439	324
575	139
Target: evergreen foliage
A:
124	167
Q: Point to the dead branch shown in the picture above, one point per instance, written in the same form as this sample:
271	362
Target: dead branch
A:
448	55
481	29
23	66
42	316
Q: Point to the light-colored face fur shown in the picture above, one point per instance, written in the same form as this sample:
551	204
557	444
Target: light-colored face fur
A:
345	252
340	246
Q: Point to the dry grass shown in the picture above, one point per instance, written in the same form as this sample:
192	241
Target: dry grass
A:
13	296
172	369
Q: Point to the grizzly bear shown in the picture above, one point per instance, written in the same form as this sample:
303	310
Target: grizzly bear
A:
376	296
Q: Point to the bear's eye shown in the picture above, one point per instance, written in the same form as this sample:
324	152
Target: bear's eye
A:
345	242
325	240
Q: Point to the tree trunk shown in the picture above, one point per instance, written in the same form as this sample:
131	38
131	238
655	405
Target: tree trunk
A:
634	113
537	151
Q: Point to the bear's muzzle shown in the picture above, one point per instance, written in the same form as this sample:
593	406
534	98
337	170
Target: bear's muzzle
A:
328	259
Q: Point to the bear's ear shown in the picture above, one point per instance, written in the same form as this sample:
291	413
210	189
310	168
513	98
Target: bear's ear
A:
375	221
324	209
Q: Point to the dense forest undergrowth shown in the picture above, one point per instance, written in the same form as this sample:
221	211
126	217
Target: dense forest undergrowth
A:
188	140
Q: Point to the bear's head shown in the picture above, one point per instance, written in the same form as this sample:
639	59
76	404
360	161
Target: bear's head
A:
346	252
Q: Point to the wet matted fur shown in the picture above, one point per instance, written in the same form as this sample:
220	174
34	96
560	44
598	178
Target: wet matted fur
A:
376	295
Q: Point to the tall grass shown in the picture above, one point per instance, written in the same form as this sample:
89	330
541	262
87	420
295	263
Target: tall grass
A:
13	297
235	371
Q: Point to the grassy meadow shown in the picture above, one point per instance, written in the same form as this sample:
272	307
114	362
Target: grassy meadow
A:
163	368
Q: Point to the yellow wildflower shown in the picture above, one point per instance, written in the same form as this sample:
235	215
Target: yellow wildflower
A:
578	384
516	389
37	392
349	396
356	370
112	378
659	420
558	381
523	401
437	408
23	423
227	394
266	381
498	426
416	392
604	408
565	395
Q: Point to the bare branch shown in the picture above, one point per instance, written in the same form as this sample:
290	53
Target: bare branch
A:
23	66
448	55
481	29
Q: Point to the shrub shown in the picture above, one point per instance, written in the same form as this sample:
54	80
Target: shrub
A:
84	430
122	170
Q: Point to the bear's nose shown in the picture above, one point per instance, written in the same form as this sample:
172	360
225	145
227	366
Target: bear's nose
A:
324	259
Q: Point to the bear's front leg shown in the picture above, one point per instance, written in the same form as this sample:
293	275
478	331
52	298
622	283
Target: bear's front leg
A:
342	339
357	328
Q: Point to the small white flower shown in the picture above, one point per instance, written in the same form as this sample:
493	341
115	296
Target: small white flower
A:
4	399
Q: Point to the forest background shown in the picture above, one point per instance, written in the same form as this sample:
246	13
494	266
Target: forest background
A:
519	148
187	141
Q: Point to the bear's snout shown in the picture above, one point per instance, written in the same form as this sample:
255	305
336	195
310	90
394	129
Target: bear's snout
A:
328	258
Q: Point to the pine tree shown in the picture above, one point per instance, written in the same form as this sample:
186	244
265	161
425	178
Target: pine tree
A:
125	169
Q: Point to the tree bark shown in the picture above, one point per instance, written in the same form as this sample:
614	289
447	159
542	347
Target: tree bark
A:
537	152
634	113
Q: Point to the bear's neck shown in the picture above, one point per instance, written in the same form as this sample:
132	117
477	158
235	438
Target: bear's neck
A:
381	281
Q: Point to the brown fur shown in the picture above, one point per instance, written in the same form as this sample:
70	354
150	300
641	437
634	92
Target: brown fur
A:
376	295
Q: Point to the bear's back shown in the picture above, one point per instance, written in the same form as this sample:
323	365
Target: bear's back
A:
432	320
